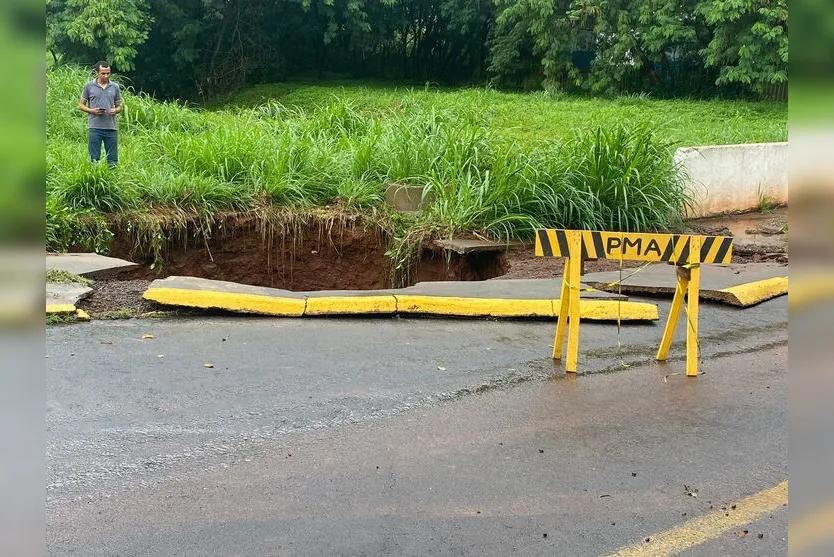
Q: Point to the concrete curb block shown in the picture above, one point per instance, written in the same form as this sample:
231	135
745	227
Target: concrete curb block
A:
752	293
348	305
601	310
244	303
60	309
473	307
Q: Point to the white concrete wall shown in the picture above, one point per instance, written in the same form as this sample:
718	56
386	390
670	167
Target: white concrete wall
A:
732	178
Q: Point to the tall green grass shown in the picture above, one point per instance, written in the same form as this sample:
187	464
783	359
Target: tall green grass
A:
529	118
199	163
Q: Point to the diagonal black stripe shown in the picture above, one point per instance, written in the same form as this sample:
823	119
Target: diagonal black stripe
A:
722	251
562	238
598	245
584	249
670	248
708	241
684	257
544	242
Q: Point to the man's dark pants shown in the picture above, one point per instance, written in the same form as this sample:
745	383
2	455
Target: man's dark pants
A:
111	145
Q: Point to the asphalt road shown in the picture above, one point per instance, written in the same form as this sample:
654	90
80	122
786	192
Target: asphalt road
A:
406	436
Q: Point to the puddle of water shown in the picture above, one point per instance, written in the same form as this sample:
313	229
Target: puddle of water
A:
740	224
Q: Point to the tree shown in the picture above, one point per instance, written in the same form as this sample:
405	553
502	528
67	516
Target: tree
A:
113	30
204	48
750	40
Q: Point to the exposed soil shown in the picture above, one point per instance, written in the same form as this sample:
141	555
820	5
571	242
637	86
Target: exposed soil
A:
522	263
118	298
317	259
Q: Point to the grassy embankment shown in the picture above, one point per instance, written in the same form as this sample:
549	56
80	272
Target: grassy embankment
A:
493	164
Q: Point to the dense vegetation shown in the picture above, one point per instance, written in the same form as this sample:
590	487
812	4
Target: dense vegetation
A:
181	165
199	48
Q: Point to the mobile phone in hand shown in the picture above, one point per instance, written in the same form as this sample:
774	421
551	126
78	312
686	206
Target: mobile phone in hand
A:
100	110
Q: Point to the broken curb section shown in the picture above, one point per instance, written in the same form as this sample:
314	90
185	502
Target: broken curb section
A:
67	310
735	284
484	299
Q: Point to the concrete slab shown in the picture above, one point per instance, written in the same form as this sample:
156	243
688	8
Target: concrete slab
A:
739	285
461	299
87	264
405	198
61	298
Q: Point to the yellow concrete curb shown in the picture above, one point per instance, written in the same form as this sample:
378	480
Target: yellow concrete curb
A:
601	310
612	310
351	305
753	293
208	299
473	307
59	309
82	315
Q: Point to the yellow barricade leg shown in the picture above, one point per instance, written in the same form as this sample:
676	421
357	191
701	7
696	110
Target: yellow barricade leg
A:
672	322
564	305
575	242
692	309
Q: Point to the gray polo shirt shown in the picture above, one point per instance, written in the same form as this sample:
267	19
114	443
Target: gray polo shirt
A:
102	97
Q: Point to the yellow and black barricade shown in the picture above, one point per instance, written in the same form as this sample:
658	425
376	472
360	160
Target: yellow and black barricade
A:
685	251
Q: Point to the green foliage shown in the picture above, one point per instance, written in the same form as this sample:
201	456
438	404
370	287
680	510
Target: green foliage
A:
67	229
60	319
111	30
205	48
665	46
91	186
750	41
630	176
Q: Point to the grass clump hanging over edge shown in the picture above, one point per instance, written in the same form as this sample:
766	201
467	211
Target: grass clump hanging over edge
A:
57	276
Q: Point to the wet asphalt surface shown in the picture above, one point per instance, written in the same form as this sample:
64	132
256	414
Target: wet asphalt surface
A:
398	436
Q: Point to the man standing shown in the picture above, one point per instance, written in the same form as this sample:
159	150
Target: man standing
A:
101	99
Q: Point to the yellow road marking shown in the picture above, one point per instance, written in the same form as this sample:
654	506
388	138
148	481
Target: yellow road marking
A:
710	526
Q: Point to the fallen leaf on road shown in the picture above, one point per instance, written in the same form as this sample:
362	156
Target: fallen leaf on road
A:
741	533
209	365
160	355
441	368
690	491
147	337
107	342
